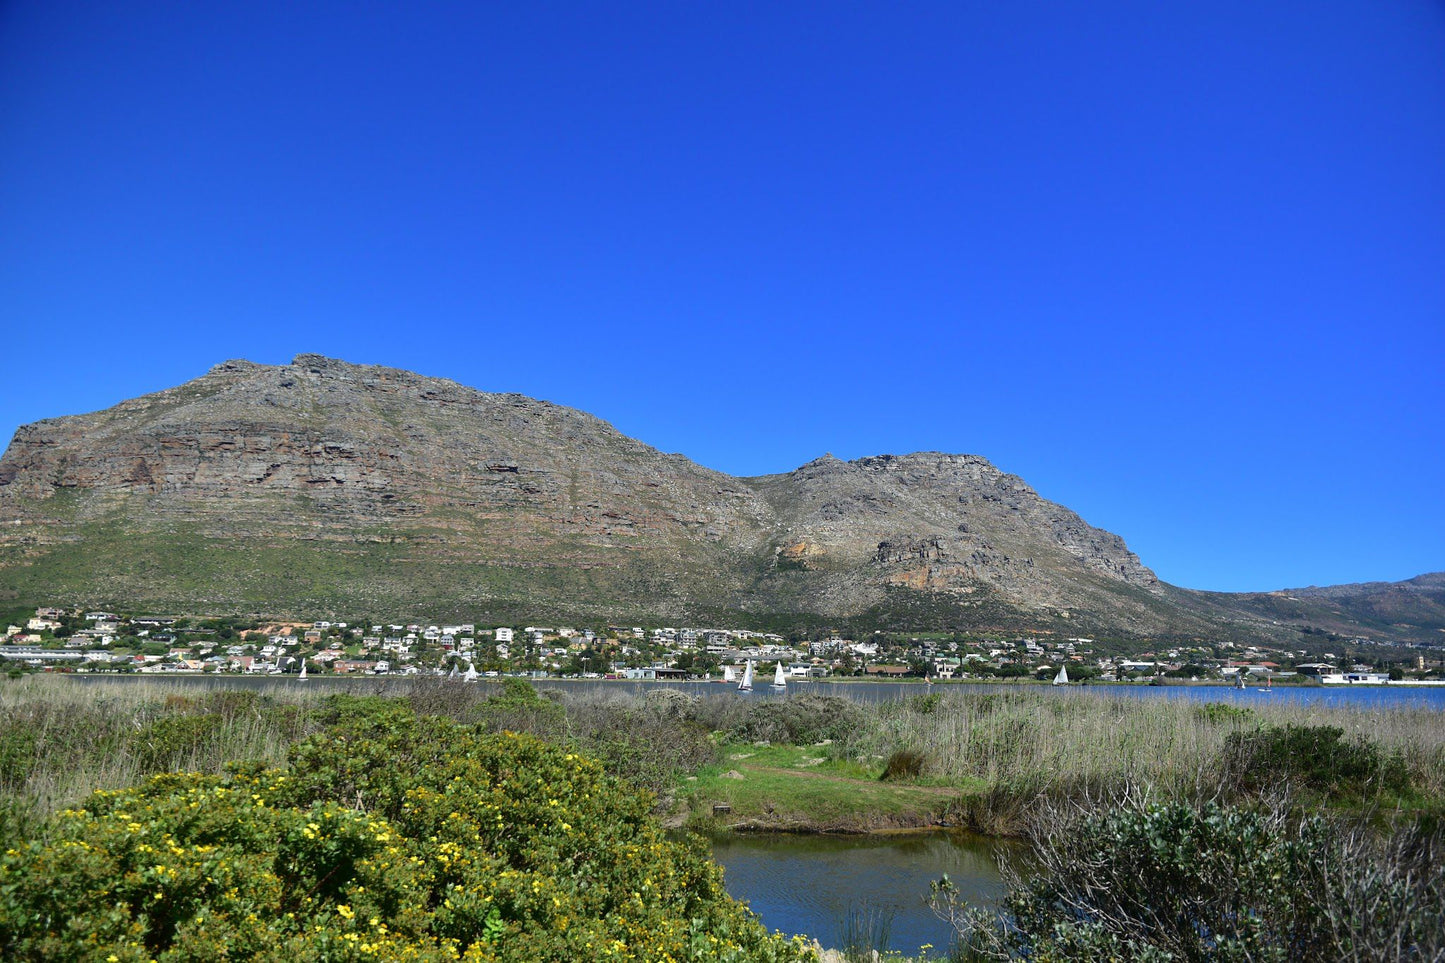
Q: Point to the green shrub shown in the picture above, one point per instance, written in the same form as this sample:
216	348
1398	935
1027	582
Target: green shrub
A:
359	716
387	837
519	708
801	720
925	705
1222	713
903	764
1212	883
1316	758
651	743
232	704
19	746
173	741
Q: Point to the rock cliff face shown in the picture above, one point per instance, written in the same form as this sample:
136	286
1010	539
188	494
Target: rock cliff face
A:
950	524
322	485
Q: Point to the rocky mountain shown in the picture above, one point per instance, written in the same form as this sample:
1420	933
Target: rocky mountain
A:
327	487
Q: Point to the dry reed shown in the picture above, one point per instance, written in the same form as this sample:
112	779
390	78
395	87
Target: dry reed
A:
1088	738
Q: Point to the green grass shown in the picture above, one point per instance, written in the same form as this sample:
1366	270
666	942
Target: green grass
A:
1002	753
816	759
803	788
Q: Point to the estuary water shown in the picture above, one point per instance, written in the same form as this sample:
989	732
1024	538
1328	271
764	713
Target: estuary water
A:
811	884
1355	696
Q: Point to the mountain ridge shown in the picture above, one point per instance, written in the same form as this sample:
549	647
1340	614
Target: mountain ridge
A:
322	485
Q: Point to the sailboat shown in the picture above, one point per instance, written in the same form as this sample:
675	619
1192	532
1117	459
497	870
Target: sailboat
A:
453	674
728	675
780	681
303	669
1063	677
471	674
747	684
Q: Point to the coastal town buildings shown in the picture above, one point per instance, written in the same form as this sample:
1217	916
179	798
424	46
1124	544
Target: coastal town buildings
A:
59	639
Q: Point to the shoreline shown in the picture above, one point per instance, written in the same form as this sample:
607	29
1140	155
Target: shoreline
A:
1282	684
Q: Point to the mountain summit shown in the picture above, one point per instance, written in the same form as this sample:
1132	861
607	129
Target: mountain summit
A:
322	486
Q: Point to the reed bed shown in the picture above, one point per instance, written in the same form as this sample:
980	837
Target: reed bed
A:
60	741
1009	752
1077	740
1086	738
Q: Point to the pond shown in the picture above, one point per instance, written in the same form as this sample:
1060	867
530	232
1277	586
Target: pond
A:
811	884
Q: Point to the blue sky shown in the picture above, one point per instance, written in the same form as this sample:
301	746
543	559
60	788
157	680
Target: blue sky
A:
1180	266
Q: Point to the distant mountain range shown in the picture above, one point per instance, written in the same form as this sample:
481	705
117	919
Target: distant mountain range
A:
322	487
1408	611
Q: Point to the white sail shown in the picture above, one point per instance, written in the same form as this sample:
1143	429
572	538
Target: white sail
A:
728	674
471	674
1063	677
453	674
747	684
780	681
303	668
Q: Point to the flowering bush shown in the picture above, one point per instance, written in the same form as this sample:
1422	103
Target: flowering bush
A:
387	837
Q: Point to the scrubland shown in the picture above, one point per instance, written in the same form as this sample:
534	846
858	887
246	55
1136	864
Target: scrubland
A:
1160	829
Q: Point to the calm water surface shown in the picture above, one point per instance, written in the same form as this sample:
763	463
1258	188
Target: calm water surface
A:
1357	696
809	884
